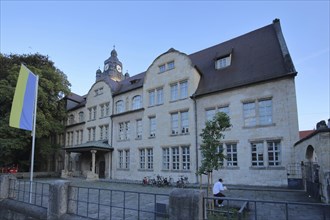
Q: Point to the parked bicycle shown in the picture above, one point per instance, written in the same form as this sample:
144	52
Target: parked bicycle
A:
182	182
148	181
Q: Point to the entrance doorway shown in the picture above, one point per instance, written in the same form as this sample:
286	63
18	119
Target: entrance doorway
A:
102	169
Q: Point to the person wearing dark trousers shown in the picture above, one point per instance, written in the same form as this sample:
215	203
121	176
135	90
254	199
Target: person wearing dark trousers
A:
218	188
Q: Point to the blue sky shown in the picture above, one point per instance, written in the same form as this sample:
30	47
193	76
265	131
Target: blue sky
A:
79	35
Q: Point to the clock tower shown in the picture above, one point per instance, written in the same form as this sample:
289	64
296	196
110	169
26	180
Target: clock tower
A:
113	67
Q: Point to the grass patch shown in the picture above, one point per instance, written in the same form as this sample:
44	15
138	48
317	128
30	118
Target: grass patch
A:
225	213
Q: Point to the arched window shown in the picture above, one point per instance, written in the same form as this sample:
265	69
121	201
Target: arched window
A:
137	102
119	106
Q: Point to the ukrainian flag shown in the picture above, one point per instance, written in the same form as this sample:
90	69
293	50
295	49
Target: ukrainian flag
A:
22	109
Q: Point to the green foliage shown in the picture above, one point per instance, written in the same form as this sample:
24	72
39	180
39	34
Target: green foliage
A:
15	144
212	135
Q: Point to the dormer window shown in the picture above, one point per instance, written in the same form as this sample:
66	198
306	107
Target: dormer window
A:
170	65
223	62
166	67
162	68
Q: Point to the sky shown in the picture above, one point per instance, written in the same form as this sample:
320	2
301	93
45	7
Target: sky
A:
78	37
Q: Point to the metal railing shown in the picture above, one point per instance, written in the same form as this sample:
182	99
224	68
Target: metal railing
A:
20	190
265	209
99	203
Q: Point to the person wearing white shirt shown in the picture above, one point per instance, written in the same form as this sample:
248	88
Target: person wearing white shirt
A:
218	188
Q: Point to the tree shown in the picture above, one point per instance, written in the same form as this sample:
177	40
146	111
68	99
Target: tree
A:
15	144
212	154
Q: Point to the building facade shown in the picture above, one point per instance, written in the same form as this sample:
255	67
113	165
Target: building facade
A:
128	128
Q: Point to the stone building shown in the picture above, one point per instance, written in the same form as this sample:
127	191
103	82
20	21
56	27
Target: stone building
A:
313	153
127	128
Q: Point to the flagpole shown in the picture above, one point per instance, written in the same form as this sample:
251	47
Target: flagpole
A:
33	136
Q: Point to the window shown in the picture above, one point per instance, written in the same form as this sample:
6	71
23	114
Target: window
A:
69	138
123	156
170	65
257	150
121	159
81	117
185	158
174	92
179	123
139	129
274	153
92	113
91	134
98	91
156	97
224	109
77	136
231	154
142	158
126	159
166	158
258	113
104	129
181	87
107	109
271	156
137	102
152	126
265	112
220	150
119	106
101	132
102	110
146	158
175	123
175	158
150	159
183	90
210	112
81	136
71	119
124	130
162	68
223	62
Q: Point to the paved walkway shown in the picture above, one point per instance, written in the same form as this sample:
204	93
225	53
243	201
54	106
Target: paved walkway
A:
265	211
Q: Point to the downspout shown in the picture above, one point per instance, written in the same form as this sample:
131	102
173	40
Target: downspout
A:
196	136
111	137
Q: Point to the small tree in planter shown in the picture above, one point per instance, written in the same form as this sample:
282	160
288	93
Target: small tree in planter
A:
212	154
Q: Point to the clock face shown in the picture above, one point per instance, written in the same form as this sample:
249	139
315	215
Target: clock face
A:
118	68
106	67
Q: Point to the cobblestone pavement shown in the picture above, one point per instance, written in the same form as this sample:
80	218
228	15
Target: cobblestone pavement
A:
265	211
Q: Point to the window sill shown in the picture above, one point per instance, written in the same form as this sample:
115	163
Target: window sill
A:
182	134
177	100
259	126
123	169
268	168
231	167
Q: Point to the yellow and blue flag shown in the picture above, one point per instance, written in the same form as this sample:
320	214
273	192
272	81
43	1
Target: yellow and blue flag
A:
22	109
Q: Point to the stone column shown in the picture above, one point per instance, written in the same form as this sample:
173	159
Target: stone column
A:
4	186
58	199
66	161
186	204
93	160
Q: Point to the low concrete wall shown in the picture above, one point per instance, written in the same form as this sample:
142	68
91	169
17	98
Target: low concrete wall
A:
26	175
